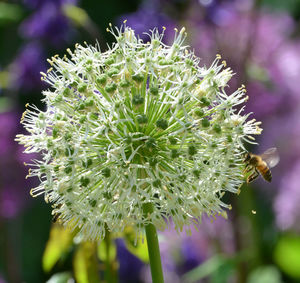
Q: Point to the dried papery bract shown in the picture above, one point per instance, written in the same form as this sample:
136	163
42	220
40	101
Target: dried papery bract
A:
140	123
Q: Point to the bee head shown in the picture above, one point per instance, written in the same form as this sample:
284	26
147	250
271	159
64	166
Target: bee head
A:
247	157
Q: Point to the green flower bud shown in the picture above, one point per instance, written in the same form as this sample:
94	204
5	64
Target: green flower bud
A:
205	123
124	84
102	79
84	181
109	61
137	99
156	183
82	87
110	88
82	119
55	132
162	123
138	78
199	112
89	102
192	150
151	143
196	173
142	119
217	128
205	101
154	90
174	153
92	202
112	72
67	92
106	172
172	140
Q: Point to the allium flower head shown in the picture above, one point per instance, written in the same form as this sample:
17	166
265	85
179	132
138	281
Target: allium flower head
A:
139	124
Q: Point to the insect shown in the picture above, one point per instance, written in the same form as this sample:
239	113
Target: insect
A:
261	164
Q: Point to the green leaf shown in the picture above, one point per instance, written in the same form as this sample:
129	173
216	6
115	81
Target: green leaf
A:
63	277
265	274
5	76
102	251
218	267
205	269
10	12
5	104
85	263
279	5
258	73
139	249
222	274
78	15
287	255
59	242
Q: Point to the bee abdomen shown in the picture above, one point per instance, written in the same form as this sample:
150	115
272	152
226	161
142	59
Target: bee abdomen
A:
266	173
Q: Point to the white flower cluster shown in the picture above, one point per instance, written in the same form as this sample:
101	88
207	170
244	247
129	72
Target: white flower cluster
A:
141	123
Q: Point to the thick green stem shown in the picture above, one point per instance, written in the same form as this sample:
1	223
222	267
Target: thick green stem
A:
110	274
153	248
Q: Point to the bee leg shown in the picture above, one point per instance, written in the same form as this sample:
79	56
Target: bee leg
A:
252	177
247	169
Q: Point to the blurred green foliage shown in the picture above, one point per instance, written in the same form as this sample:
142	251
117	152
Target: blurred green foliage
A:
10	13
59	243
287	255
265	274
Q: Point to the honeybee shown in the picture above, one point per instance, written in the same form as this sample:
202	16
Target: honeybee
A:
261	164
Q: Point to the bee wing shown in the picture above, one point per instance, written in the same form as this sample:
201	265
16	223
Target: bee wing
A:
271	156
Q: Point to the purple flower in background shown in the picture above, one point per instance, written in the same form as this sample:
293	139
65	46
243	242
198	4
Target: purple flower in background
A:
2	280
149	16
8	124
13	195
265	101
27	67
48	23
35	4
284	132
218	12
181	253
287	203
260	48
285	70
127	261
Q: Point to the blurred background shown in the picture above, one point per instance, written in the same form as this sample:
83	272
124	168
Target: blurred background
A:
260	242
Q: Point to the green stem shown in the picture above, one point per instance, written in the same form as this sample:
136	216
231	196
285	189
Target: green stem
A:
109	270
153	248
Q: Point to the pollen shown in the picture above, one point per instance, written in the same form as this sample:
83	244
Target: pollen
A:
50	62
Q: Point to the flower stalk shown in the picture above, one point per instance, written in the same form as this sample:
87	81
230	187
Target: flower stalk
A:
109	272
153	247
